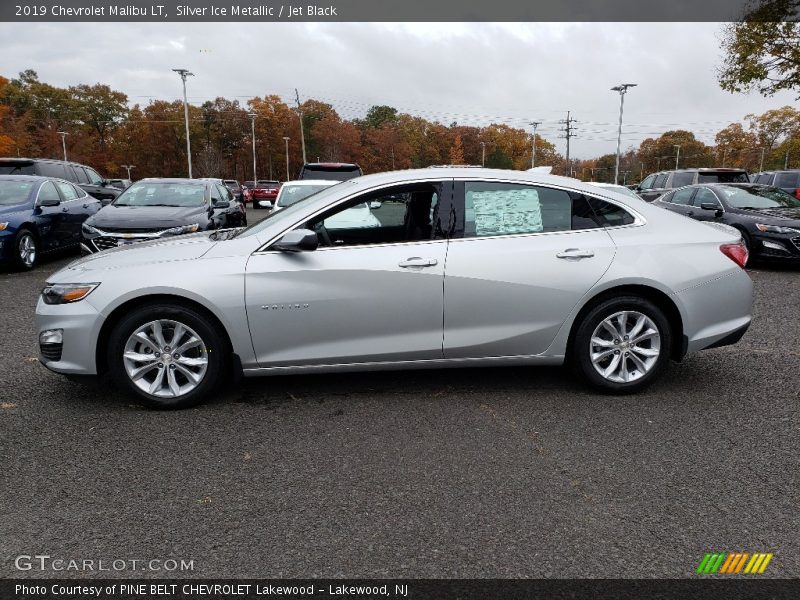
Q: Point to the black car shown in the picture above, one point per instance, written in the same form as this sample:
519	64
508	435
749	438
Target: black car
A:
788	180
335	171
235	188
656	184
157	208
767	217
85	177
40	215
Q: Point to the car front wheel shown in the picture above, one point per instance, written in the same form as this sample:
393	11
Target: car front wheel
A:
26	250
168	355
622	345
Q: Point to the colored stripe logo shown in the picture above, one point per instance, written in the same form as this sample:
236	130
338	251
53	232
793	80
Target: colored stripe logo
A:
732	563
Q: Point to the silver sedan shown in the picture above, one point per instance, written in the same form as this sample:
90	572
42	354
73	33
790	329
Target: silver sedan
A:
463	267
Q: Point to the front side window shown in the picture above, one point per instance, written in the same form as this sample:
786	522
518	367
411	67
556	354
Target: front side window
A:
394	215
683	197
81	175
94	178
706	196
48	192
647	183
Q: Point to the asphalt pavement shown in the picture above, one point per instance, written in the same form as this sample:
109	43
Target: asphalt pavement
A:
514	472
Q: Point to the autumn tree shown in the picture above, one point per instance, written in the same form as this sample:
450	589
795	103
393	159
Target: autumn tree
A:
737	147
762	51
457	152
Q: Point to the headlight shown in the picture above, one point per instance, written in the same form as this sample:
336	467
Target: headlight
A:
3	226
88	229
64	293
181	230
776	229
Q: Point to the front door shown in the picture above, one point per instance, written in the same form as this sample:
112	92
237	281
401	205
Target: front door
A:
372	291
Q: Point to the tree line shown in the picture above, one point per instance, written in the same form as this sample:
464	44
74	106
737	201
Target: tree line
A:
103	130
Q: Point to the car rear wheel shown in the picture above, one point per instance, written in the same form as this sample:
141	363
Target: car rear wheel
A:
26	250
168	355
622	345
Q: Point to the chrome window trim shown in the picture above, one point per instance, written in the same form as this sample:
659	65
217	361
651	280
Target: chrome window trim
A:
713	193
638	218
39	191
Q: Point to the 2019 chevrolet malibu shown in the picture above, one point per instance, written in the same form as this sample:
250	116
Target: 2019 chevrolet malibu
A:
468	267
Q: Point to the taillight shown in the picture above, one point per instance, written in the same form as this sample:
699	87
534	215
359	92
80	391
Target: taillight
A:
797	193
736	252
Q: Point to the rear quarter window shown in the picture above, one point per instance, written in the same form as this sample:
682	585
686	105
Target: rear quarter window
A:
610	215
787	180
682	179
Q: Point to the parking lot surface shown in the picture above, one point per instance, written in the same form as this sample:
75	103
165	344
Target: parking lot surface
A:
516	472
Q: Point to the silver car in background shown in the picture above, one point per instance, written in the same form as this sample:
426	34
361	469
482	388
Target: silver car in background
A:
468	267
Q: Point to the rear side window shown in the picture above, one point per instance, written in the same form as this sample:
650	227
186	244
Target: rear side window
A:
787	180
52	170
81	174
67	191
492	209
683	197
682	179
661	181
763	178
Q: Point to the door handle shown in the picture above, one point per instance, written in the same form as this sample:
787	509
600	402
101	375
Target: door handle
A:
575	253
65	209
416	261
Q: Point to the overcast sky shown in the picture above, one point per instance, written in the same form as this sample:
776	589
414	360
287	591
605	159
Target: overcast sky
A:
470	73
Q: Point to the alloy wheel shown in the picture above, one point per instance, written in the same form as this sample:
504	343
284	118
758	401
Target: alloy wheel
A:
625	346
165	358
27	250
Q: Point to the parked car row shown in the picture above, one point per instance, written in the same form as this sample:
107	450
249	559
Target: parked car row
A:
84	177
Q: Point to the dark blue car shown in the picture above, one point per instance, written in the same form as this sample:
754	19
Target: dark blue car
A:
40	215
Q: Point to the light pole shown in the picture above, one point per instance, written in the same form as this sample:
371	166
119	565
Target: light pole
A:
253	131
184	73
63	135
678	155
622	88
483	154
286	141
533	145
128	168
761	168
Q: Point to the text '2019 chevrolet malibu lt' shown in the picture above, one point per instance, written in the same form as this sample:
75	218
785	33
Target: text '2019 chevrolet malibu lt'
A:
459	267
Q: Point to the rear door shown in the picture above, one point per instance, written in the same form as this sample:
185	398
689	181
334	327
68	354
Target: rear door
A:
80	206
522	257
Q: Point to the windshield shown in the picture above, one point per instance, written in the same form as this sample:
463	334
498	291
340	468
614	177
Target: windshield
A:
758	197
292	194
16	169
162	194
722	177
14	192
289	212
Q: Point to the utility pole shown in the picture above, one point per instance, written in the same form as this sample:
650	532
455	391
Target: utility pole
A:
483	154
641	174
533	145
128	169
786	161
184	73
622	88
286	141
761	168
252	116
678	155
568	133
302	135
392	157
724	157
63	135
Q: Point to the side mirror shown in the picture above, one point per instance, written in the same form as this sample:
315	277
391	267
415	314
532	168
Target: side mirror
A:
47	202
298	240
709	206
265	204
220	203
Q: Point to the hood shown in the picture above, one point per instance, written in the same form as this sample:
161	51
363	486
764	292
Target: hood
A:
146	217
182	247
780	215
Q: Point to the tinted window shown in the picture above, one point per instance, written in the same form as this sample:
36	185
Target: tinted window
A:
335	173
703	196
682	197
70	173
14	192
787	180
81	175
723	177
224	193
492	209
763	178
610	215
661	181
52	170
94	178
403	214
682	179
648	182
11	168
48	192
67	191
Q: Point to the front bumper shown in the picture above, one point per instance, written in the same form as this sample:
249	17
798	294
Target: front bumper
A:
776	246
80	323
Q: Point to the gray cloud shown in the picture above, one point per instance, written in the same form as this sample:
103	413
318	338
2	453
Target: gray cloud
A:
470	73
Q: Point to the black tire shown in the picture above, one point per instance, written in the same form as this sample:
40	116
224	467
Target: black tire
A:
24	237
580	351
217	353
748	243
